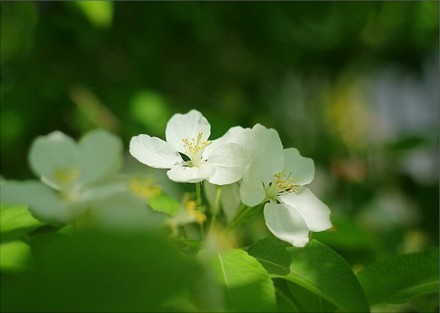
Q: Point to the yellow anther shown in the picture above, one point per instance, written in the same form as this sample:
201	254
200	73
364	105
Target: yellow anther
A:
191	205
144	188
195	145
191	209
199	217
285	183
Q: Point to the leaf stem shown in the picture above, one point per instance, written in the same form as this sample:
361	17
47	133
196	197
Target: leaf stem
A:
216	206
198	194
241	212
199	205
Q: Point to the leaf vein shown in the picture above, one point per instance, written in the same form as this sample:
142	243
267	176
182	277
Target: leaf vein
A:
312	285
224	276
267	261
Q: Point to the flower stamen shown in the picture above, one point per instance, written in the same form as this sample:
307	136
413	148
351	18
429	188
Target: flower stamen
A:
285	183
194	148
192	209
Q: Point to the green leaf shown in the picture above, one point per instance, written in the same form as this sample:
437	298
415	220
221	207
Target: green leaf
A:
308	301
14	255
151	110
406	143
319	269
348	234
247	285
99	13
16	221
285	301
165	204
399	279
97	271
272	254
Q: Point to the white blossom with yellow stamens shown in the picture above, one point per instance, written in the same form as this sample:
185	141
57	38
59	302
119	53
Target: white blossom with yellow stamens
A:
221	161
279	176
74	176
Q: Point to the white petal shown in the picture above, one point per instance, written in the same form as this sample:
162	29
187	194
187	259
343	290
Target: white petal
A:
55	159
286	224
229	161
102	191
301	169
154	152
251	188
43	202
186	126
315	213
210	191
184	174
122	212
101	156
265	144
235	134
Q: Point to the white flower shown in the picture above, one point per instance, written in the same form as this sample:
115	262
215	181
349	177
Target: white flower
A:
279	176
73	175
221	161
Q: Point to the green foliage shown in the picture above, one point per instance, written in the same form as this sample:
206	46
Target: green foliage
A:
165	204
316	268
99	13
247	285
151	110
14	256
100	271
16	221
348	234
272	254
322	271
308	301
399	279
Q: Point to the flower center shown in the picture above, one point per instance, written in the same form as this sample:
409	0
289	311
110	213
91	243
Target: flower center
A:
194	148
281	183
66	176
285	183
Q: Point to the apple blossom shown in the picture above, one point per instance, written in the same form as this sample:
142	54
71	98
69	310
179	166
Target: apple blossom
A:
220	162
278	175
73	175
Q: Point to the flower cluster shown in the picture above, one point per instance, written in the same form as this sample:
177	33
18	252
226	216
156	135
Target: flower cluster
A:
253	158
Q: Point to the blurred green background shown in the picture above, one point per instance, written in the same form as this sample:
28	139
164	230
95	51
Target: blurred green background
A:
354	85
